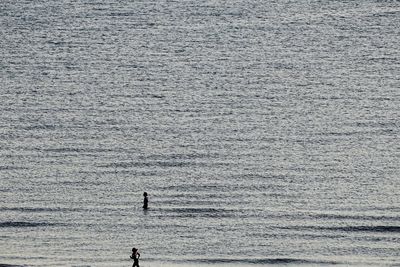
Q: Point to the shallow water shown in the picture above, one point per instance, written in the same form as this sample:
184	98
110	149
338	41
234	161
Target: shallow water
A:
265	132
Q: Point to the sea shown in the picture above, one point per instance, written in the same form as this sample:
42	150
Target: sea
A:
265	132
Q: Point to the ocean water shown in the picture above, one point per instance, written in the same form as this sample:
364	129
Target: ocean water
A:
265	132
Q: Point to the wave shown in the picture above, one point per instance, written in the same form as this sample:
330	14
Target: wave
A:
27	209
12	168
151	164
177	156
66	209
261	261
354	217
200	212
23	224
377	228
47	209
248	213
162	163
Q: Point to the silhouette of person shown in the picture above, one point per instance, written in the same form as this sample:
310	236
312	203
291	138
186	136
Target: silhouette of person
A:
145	201
135	256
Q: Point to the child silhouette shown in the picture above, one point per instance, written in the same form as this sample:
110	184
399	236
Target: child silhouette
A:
135	256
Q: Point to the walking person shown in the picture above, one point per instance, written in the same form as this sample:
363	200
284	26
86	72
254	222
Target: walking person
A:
135	257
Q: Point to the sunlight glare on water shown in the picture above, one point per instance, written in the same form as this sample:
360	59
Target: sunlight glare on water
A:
265	132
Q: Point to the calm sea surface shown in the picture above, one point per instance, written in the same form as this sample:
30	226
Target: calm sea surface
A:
266	132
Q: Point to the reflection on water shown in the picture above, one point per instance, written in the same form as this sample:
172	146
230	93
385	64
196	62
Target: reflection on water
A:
265	132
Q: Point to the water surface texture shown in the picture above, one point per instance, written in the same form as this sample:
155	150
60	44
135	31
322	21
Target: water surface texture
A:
266	132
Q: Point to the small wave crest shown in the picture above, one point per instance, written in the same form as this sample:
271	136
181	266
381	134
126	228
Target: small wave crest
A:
206	212
377	228
30	209
261	261
23	224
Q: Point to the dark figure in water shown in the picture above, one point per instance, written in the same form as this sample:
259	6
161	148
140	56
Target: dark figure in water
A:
135	256
145	201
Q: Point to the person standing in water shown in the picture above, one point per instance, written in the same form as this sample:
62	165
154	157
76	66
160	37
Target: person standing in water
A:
135	256
145	201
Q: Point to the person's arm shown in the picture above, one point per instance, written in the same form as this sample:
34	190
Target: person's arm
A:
138	255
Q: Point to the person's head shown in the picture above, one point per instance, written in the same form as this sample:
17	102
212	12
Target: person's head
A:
145	194
134	250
